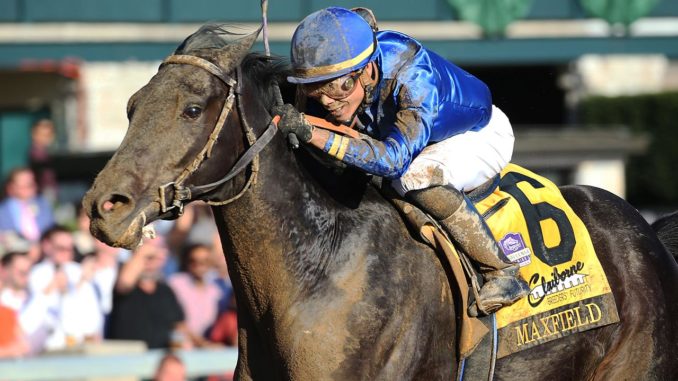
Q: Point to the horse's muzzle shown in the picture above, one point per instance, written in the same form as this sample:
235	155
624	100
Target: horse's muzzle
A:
115	218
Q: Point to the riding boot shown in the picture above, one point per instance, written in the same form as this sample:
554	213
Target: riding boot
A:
503	285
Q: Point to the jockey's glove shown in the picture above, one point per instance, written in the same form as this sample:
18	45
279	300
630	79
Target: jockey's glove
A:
293	122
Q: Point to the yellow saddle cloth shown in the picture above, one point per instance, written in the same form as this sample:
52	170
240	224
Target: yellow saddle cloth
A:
536	228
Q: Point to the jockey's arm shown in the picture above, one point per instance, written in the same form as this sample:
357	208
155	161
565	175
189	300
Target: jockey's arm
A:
389	158
402	138
417	105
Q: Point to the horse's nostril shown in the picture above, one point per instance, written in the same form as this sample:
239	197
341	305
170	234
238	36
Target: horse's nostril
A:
114	202
107	206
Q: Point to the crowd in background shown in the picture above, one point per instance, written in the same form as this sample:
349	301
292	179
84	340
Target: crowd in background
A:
60	287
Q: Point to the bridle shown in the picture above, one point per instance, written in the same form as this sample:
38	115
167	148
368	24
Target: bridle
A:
174	195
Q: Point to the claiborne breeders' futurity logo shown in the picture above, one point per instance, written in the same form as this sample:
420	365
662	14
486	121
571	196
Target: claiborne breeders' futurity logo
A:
558	281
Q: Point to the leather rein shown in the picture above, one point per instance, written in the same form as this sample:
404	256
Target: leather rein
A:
174	195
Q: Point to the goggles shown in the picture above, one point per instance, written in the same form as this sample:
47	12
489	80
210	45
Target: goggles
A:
338	88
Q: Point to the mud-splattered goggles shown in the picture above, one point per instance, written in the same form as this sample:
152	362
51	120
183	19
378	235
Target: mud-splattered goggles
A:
338	88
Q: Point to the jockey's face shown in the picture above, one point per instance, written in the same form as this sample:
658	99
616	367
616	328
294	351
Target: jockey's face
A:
341	96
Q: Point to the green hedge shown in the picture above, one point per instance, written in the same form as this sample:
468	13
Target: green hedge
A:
652	179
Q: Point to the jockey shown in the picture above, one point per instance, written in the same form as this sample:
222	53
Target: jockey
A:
425	124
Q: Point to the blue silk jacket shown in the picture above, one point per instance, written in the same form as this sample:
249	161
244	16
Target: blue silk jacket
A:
420	99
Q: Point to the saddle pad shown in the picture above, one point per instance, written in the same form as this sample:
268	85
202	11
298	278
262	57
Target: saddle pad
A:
537	229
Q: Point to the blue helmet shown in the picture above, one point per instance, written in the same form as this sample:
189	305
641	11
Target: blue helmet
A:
330	43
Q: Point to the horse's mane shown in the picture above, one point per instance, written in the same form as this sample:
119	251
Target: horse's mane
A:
263	71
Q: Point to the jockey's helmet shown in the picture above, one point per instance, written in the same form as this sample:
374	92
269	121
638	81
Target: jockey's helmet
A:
330	43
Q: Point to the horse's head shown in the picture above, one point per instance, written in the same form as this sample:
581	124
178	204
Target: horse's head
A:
173	123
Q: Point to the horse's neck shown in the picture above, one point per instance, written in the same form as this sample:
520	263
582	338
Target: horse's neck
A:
282	235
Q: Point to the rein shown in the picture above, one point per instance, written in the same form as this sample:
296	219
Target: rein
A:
339	128
174	195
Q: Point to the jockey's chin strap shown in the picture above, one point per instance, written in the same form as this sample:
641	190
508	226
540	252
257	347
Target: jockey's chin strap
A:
174	195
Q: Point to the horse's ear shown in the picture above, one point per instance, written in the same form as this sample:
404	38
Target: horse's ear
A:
231	54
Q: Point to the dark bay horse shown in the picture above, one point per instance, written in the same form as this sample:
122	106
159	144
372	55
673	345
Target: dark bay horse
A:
330	284
667	231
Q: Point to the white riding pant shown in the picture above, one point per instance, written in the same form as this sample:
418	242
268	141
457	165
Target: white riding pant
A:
464	161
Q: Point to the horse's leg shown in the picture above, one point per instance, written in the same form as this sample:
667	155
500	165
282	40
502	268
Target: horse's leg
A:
643	279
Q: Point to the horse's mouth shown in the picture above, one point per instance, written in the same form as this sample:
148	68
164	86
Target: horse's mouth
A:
125	231
127	235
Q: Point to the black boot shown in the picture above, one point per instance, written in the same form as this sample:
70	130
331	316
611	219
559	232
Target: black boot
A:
503	285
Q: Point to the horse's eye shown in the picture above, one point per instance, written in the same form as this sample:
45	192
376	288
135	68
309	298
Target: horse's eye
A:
192	112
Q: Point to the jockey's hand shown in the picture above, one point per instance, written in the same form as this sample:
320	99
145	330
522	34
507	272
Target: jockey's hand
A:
293	122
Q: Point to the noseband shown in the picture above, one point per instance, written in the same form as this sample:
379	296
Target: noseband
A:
174	195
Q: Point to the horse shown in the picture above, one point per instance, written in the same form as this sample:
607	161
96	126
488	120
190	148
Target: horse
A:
329	281
667	231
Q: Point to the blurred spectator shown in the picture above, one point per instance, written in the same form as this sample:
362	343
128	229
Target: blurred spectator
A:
225	329
14	289
220	276
23	210
170	368
195	226
11	241
15	295
144	307
82	238
197	295
72	302
105	262
42	137
12	340
3	272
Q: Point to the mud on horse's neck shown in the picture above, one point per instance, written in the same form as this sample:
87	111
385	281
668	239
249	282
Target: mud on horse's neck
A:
281	236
